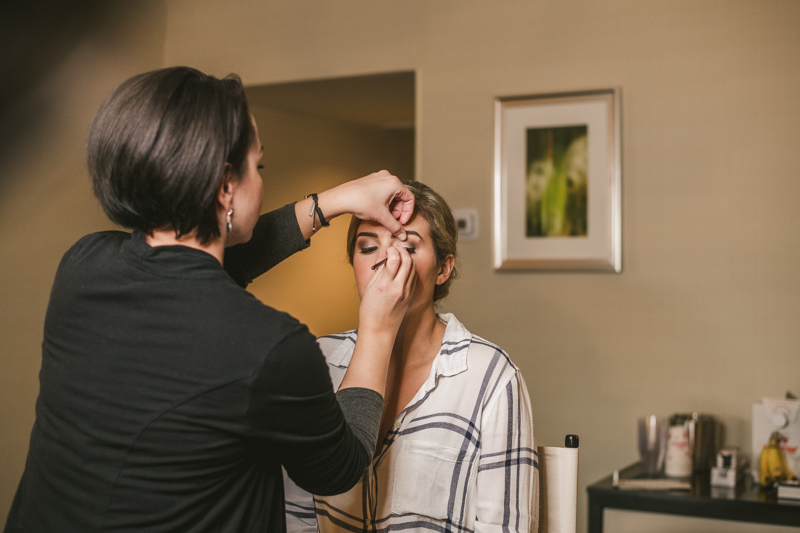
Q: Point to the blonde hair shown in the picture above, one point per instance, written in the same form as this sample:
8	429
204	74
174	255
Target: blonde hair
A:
441	225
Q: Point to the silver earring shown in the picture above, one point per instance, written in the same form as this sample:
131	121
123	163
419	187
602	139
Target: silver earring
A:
229	225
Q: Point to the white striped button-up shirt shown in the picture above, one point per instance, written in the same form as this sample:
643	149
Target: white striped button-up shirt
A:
459	458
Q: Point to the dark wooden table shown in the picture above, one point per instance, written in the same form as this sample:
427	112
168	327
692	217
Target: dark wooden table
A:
746	503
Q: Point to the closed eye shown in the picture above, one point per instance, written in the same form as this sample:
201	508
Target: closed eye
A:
368	249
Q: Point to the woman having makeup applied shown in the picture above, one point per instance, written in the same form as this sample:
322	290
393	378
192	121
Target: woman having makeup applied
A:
456	450
169	396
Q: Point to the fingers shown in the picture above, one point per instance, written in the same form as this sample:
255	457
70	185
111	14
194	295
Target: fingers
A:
389	292
406	273
394	260
396	204
411	279
387	220
402	206
380	197
399	266
406	267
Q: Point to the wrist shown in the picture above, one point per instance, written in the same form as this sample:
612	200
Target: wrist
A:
377	337
333	202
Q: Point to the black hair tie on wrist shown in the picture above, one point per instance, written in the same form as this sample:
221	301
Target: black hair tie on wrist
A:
322	220
316	212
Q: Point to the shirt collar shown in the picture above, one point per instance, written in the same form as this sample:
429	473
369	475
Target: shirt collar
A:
452	356
344	351
172	261
451	359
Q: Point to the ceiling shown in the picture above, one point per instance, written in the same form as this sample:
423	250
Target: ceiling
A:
381	100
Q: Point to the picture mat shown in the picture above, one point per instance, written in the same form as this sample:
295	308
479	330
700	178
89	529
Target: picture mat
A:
516	119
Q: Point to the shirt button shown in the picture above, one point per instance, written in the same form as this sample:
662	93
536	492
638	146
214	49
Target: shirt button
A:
398	424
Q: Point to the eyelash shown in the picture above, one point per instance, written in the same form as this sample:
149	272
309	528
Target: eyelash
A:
368	250
260	167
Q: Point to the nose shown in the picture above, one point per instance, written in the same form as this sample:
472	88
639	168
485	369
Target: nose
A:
381	259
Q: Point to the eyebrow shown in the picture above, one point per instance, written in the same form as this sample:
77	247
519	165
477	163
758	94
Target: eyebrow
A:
375	235
262	149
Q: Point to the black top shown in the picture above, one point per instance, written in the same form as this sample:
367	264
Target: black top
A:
170	397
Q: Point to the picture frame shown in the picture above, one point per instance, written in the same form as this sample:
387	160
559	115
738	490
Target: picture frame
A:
557	182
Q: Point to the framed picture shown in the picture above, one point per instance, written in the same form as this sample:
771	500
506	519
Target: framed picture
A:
557	182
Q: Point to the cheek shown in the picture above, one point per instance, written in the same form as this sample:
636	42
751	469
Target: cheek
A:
363	272
425	267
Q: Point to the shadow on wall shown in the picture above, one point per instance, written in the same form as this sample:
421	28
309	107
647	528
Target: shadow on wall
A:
36	36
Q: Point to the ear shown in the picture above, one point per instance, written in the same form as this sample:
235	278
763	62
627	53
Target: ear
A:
225	191
445	269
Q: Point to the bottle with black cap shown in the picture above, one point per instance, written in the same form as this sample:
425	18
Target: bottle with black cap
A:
558	490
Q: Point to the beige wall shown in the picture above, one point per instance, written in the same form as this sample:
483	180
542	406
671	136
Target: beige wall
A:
46	204
705	314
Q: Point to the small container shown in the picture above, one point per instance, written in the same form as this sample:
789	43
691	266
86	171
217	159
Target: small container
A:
678	462
652	435
729	468
703	438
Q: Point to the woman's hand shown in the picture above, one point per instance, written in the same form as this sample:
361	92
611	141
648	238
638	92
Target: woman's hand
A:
379	197
388	294
383	307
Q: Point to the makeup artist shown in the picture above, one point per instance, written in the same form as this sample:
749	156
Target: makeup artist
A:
169	396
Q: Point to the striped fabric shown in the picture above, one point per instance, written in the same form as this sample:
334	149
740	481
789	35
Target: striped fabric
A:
459	458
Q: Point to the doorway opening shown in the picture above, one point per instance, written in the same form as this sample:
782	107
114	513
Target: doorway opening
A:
318	134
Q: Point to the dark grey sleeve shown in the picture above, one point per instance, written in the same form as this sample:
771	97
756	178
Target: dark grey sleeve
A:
275	237
362	410
325	441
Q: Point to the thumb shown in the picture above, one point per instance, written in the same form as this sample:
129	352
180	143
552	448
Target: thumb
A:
385	219
402	205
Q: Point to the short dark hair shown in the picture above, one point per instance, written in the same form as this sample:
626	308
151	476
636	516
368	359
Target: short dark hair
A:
158	146
441	225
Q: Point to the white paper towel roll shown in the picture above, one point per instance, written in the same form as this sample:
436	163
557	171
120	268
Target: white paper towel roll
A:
558	489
